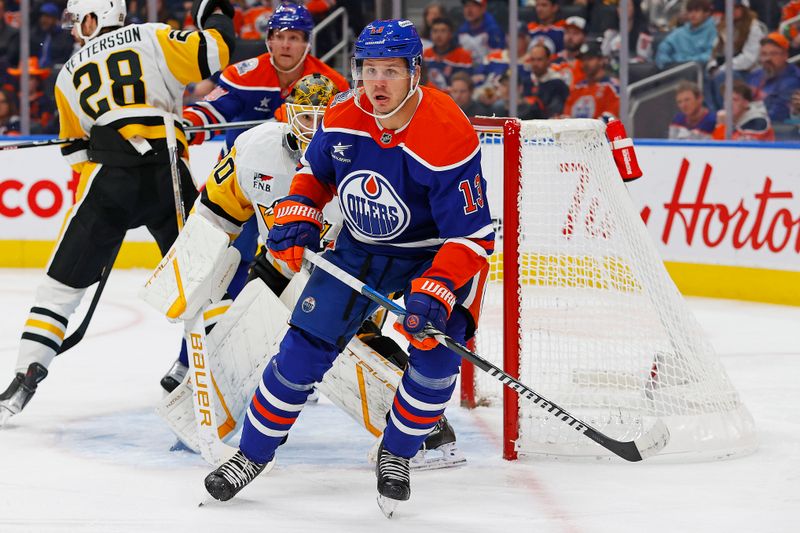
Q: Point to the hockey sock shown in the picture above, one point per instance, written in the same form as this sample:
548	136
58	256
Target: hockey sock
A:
423	393
285	386
47	323
183	357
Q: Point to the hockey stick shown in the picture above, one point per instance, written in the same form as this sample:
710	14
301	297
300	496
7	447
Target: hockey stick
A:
36	144
647	445
77	335
225	126
212	449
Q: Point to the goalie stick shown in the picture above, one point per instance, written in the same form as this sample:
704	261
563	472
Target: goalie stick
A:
646	445
212	449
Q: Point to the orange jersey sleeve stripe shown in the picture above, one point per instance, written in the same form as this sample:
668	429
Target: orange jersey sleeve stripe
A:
459	262
313	189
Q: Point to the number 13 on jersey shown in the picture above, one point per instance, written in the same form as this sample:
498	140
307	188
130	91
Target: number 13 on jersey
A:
473	194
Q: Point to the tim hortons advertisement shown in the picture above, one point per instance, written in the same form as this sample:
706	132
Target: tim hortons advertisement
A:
721	205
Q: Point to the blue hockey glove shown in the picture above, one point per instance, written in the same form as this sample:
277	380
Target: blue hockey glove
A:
297	225
430	300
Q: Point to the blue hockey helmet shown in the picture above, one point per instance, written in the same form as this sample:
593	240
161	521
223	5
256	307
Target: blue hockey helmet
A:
384	39
290	16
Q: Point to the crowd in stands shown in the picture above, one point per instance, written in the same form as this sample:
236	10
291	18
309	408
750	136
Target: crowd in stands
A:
568	50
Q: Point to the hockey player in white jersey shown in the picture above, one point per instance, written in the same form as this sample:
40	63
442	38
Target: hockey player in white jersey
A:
116	93
253	175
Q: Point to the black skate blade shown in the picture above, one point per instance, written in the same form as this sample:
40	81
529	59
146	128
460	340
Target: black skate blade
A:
388	505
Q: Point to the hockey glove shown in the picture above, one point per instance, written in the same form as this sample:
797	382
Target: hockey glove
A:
622	150
202	9
297	225
431	300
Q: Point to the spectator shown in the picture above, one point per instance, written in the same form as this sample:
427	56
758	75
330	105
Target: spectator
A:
9	120
598	94
566	62
776	80
547	29
548	86
791	31
52	45
794	108
694	41
750	119
8	34
444	58
662	15
42	107
527	108
640	44
461	88
480	32
255	19
497	63
747	34
694	120
431	12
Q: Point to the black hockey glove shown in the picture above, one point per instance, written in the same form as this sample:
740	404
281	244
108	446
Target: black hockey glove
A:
202	9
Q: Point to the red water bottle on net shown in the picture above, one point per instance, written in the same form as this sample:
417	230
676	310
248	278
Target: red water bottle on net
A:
622	150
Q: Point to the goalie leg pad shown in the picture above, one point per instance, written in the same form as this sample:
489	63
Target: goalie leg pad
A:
195	271
241	343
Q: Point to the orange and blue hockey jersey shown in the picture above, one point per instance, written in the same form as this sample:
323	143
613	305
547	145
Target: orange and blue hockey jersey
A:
250	90
440	67
550	35
590	99
405	192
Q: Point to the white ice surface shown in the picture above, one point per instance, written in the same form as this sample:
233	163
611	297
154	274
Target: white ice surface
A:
89	453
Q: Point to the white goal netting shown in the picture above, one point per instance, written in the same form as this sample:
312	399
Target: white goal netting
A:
603	330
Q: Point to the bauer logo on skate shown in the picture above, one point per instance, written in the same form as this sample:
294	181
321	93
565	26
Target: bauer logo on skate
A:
371	206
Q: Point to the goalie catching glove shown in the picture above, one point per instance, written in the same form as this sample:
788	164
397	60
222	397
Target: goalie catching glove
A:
195	271
623	152
298	223
431	300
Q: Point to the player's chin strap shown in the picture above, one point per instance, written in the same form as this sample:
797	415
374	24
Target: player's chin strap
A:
411	91
648	444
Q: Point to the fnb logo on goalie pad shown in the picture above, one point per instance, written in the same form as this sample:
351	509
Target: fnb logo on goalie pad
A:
372	207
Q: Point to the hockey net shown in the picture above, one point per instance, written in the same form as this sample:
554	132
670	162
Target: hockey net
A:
580	307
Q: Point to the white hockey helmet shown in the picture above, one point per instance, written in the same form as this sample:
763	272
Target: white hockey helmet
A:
109	13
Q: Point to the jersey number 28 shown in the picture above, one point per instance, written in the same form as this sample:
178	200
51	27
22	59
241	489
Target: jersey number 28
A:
127	87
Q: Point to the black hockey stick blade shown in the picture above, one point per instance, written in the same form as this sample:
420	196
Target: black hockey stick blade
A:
648	444
77	335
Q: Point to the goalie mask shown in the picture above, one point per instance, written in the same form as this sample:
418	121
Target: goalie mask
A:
305	107
109	13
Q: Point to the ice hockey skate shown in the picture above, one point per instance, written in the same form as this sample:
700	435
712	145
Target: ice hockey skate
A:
20	391
440	449
234	475
394	481
174	376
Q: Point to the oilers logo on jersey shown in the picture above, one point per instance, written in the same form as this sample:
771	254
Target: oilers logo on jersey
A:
372	207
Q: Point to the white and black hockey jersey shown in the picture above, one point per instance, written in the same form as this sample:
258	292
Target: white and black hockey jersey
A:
256	172
129	77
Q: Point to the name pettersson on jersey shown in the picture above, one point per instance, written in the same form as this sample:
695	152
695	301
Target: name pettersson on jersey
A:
128	35
372	207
